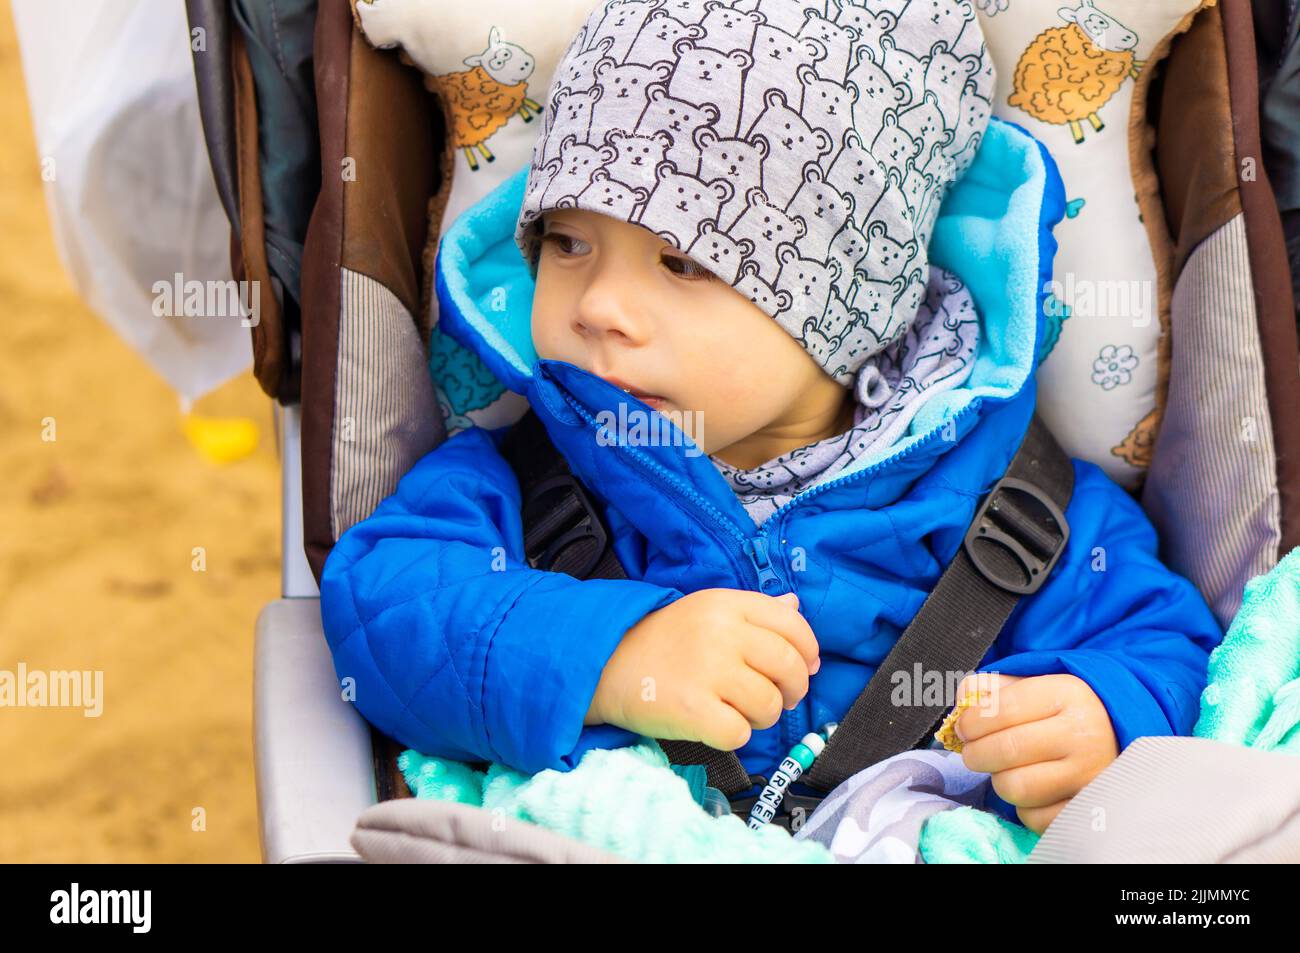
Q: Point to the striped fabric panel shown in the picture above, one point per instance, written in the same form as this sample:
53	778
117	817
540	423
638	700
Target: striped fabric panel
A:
1212	487
385	413
1171	800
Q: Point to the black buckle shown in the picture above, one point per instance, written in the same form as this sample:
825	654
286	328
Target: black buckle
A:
565	517
805	804
1020	518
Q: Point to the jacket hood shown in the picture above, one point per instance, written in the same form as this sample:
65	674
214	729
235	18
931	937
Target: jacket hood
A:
994	231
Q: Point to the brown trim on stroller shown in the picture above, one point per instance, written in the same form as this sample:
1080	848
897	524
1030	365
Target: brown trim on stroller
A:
321	290
1270	269
393	152
1183	43
272	366
1197	172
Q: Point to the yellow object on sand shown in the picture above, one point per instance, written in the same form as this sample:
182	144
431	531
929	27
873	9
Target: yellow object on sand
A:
947	733
220	439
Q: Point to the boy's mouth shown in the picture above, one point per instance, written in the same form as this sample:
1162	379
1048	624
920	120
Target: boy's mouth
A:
654	400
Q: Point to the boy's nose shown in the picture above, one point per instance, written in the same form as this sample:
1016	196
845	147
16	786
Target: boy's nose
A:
609	315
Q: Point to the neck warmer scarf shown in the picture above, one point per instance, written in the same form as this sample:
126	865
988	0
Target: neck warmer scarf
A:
936	354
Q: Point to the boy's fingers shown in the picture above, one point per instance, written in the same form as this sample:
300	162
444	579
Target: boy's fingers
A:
1010	701
1036	785
724	728
783	618
1037	819
780	662
1027	743
754	696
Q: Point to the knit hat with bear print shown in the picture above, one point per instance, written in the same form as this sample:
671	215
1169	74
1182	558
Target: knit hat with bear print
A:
797	149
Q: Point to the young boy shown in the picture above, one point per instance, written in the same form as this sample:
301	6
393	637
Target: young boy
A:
728	215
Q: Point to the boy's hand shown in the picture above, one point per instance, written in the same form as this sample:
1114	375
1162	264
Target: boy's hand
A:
1042	738
710	667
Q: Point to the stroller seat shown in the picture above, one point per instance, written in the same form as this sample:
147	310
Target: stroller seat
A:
347	353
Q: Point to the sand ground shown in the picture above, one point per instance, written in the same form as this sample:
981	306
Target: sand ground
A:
96	534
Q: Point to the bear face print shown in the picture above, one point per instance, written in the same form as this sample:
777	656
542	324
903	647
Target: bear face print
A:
895	149
728	29
689	11
975	112
950	16
878	93
825	350
625	93
767	227
777	58
763	479
707	76
623	19
848	247
579	73
924	195
680	203
753	287
836	39
574	108
578	164
827	106
610	197
946	75
938	164
538	179
895	202
871	25
923	120
837	314
786	16
873	300
913	292
939	18
904	66
886	257
719	252
857	172
958	309
825	210
637	157
942	284
808	281
917	189
788	132
680	120
862	338
801	464
655	40
738	160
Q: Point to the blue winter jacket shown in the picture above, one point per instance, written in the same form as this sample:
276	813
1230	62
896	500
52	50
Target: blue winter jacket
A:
459	648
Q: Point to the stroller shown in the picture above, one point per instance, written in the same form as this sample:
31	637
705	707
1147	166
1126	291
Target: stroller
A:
335	163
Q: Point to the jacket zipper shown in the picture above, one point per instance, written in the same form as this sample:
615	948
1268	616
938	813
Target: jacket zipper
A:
757	548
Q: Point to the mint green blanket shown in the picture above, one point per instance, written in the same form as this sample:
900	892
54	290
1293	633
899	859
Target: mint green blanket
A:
1252	699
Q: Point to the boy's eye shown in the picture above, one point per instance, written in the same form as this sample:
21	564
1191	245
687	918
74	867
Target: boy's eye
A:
562	242
690	269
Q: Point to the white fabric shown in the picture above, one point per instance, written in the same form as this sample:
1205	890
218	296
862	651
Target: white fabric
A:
1098	384
127	177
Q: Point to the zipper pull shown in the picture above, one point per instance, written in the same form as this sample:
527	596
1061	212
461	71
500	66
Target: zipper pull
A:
756	550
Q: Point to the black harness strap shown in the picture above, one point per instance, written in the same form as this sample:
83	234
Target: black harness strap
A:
1013	542
1011	546
563	532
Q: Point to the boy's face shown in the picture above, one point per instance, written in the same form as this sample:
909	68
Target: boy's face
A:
618	301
